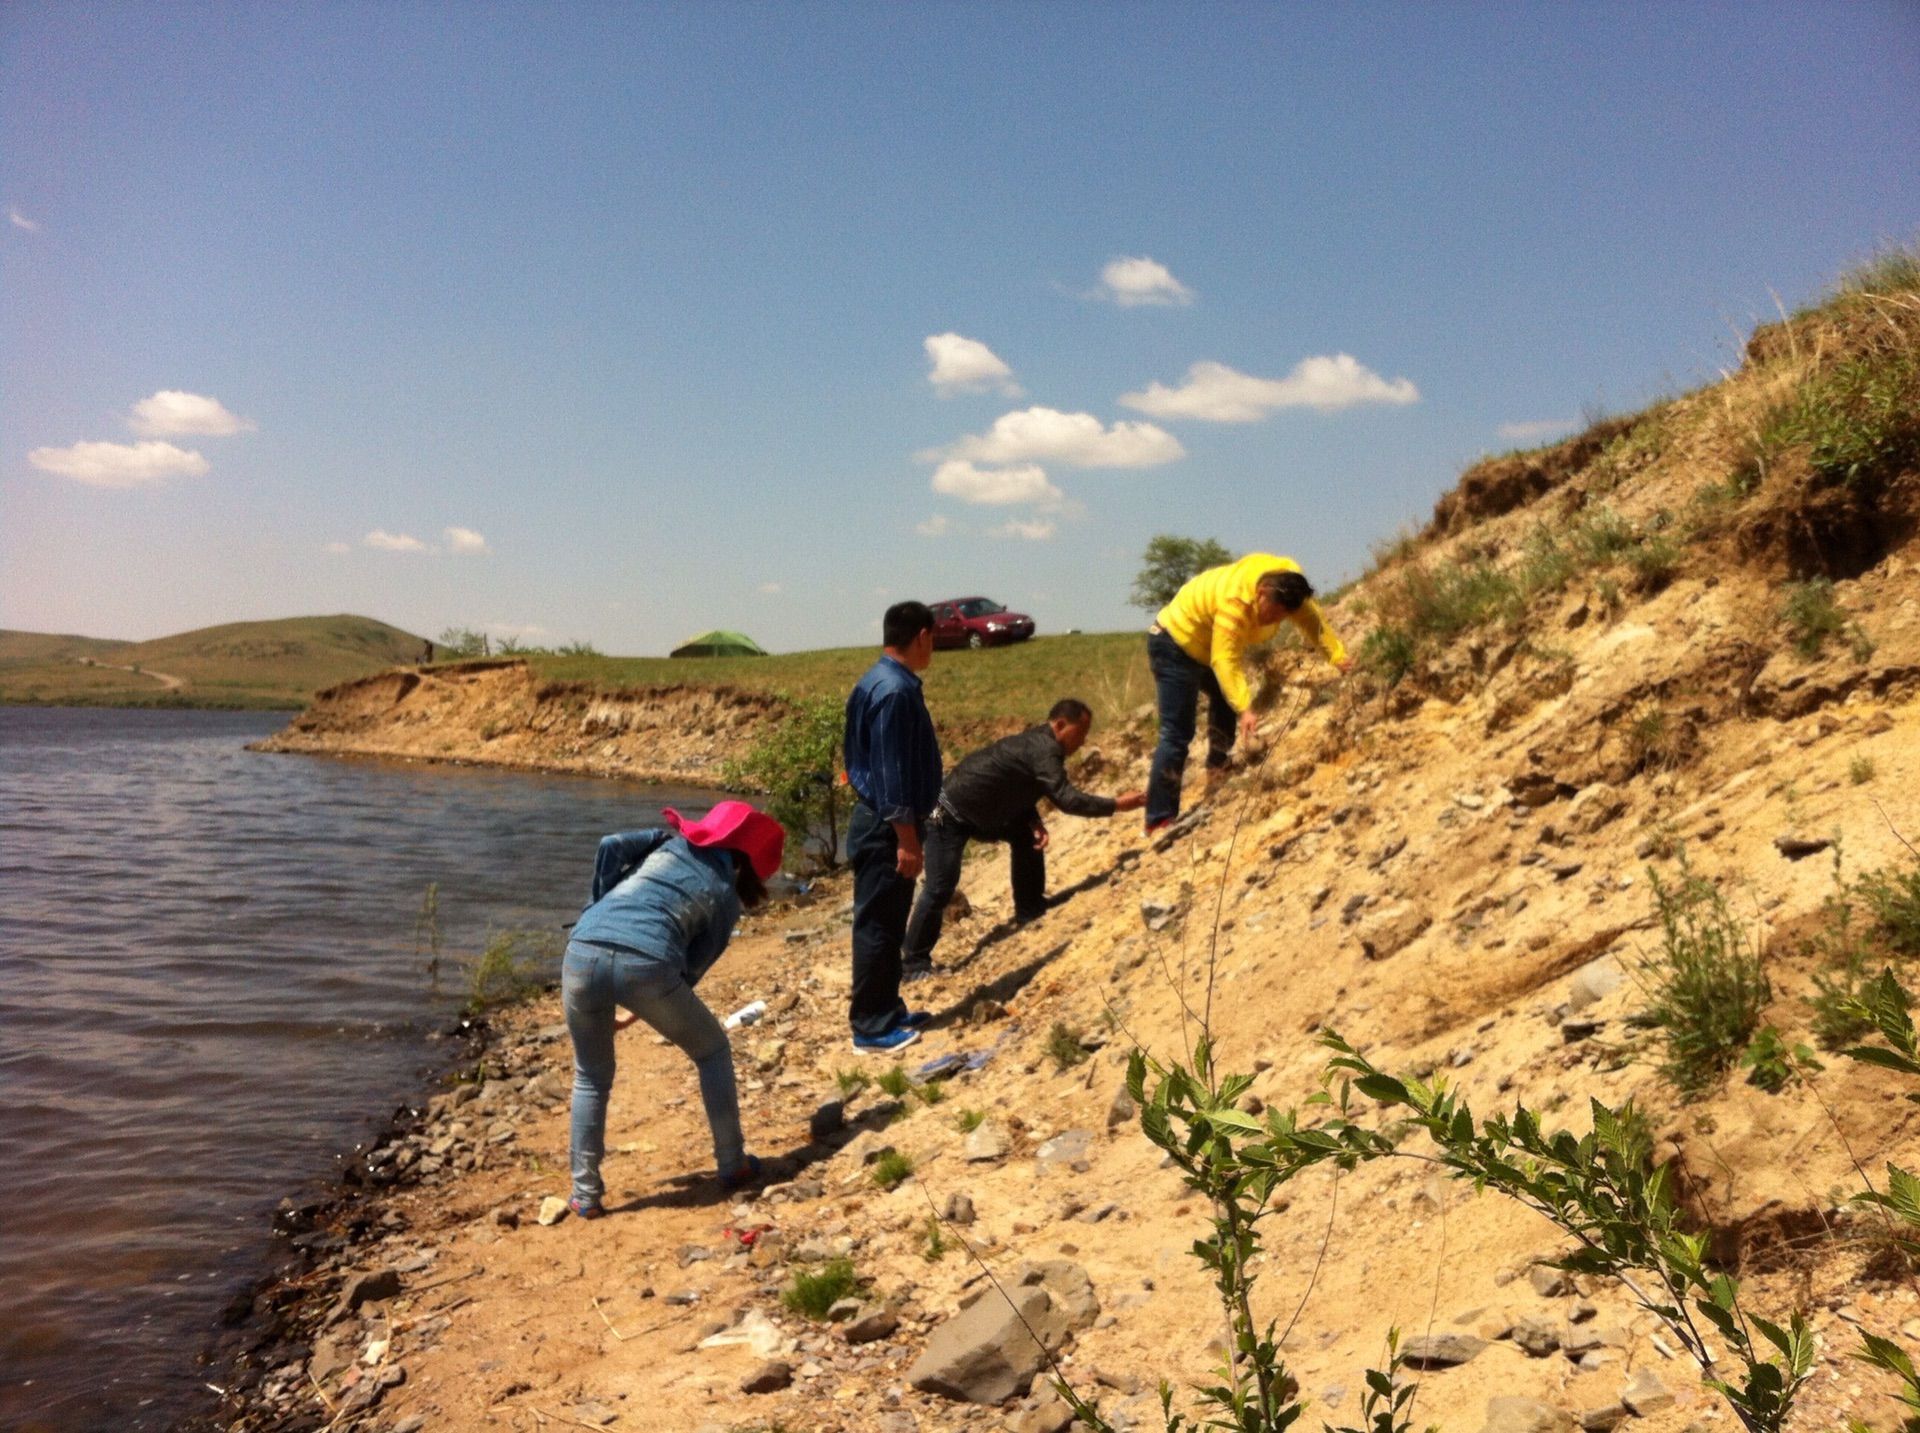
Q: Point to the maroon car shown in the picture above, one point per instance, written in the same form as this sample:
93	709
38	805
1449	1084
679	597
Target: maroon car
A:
977	622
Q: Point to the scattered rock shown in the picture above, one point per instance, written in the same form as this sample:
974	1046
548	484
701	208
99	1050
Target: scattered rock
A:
592	1410
1605	1420
985	1142
959	1209
1158	915
373	1287
1525	1415
843	1309
1549	1282
828	1120
1593	808
1538	1337
1442	1350
985	1353
1796	848
1645	1393
1067	1148
1050	1415
1388	932
552	1210
1592	983
874	1321
1122	1110
769	1377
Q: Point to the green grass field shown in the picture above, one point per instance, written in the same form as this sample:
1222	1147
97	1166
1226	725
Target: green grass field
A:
277	664
967	691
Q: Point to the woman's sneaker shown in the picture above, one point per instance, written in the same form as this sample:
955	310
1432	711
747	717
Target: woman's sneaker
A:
580	1209
898	1038
747	1174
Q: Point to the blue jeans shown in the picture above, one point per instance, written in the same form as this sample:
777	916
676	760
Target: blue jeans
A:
1178	681
882	898
594	981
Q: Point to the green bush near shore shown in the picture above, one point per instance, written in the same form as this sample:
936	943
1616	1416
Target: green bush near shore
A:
515	965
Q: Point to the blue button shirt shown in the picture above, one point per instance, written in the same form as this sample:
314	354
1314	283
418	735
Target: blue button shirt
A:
661	896
893	757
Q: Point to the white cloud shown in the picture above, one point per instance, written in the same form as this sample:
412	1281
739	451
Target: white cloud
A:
119	465
1216	393
769	589
1042	435
466	541
966	365
1036	530
935	526
338	549
393	541
21	221
1134	282
1537	430
172	414
996	487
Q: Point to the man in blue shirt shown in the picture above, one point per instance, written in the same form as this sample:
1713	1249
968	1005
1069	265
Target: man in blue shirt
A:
893	765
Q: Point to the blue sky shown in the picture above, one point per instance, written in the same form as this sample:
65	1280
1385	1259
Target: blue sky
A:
612	322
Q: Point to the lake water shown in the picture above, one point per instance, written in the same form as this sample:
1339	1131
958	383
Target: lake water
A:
210	987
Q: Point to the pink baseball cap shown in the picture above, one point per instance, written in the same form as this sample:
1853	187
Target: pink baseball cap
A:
736	826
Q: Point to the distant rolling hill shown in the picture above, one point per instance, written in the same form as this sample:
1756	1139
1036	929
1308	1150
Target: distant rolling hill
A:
240	664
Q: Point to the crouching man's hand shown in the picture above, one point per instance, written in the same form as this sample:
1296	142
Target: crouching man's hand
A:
1131	801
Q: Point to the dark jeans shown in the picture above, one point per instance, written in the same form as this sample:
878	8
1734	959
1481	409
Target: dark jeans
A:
946	843
1178	681
881	900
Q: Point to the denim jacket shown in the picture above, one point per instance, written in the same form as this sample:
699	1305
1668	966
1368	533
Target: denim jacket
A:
660	896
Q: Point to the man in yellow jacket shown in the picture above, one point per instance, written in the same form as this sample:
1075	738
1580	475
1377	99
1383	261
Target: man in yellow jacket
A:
1199	644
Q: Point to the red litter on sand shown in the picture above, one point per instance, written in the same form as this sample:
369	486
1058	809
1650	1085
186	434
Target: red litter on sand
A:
746	1238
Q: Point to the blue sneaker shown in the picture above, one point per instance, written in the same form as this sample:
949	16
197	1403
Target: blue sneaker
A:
898	1038
917	1019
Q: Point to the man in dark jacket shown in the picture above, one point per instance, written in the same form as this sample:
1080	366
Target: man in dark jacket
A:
993	795
893	765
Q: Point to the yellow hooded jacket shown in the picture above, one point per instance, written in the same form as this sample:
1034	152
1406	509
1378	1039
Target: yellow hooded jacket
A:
1212	618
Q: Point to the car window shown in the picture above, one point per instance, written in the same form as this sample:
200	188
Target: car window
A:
980	607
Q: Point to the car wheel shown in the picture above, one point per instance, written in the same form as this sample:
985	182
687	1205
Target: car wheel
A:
976	641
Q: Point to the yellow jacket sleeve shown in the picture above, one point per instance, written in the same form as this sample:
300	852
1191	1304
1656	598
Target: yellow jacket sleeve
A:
1233	633
1314	626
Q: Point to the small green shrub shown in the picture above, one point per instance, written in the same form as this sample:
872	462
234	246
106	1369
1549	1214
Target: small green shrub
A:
1773	1064
1893	898
1064	1047
1707	985
814	1293
1839	942
933	1241
891	1168
967	1121
515	965
851	1082
1389	651
895	1082
1654	562
1811	615
794	762
1861	770
931	1093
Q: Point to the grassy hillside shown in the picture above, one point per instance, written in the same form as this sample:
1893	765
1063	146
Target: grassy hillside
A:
239	664
967	690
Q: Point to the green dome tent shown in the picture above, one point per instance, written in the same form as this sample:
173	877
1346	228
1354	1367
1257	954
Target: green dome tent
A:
719	643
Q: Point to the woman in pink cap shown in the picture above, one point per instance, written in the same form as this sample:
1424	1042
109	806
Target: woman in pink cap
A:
665	902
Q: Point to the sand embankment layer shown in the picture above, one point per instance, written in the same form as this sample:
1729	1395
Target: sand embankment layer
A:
505	714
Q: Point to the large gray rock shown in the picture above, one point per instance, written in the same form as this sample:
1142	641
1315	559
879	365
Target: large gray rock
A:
987	1352
1526	1415
1068	1283
1538	1337
1442	1350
